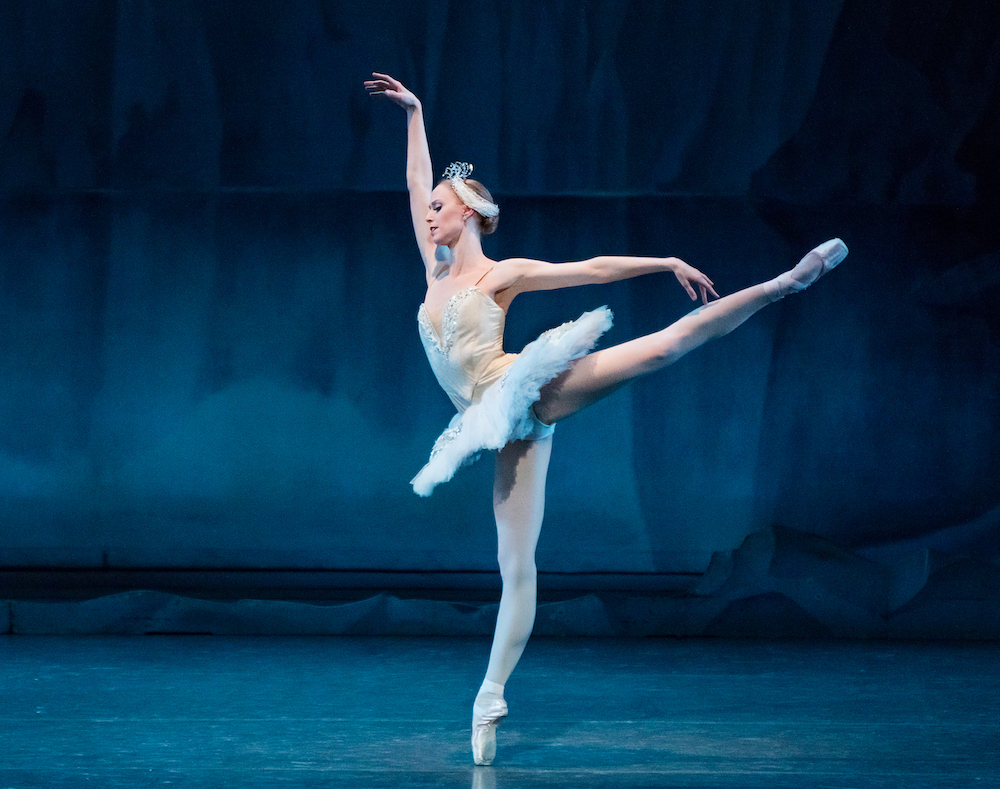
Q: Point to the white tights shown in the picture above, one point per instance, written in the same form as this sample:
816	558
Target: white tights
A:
521	467
518	504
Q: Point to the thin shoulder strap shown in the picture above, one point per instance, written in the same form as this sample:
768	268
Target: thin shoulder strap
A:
484	275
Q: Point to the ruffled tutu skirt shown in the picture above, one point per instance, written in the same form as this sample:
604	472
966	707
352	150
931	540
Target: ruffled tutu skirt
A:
504	413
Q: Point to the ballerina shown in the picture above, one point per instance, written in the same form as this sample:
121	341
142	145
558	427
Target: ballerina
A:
510	403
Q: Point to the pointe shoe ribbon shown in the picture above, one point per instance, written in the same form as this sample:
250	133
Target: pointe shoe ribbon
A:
484	736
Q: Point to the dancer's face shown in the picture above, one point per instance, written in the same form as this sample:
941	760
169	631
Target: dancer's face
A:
446	215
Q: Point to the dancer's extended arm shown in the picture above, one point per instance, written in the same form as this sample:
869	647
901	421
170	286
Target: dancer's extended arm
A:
522	275
419	171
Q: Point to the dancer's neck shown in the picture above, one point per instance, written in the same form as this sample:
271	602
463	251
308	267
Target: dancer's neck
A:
467	255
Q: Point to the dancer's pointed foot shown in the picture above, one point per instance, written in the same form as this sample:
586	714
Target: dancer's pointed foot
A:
814	265
487	713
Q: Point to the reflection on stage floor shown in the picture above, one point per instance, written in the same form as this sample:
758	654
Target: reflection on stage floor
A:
201	711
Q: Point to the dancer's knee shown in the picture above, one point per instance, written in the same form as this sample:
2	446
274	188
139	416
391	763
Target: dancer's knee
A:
517	570
671	344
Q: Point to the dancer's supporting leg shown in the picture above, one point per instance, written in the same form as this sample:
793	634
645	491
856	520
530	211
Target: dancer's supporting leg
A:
598	374
519	505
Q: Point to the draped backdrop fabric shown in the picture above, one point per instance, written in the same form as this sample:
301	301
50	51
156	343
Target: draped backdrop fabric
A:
208	281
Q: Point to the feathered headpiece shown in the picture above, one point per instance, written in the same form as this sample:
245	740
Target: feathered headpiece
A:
456	174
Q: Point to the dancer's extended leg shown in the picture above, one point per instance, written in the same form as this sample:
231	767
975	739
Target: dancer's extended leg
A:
519	505
600	373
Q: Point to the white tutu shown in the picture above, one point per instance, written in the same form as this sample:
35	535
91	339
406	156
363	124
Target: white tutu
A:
504	413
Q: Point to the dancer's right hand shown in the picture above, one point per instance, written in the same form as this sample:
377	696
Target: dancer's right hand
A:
384	85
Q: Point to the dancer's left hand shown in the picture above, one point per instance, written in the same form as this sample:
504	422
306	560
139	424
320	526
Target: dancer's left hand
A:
690	277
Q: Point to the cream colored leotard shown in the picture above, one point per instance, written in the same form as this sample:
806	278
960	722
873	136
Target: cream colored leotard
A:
493	391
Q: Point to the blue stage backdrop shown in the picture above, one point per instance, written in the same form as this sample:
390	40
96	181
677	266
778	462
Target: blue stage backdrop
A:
208	282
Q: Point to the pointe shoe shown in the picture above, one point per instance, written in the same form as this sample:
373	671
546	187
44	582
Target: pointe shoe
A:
817	262
487	713
830	253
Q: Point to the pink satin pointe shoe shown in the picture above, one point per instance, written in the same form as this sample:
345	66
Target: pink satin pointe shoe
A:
817	262
487	713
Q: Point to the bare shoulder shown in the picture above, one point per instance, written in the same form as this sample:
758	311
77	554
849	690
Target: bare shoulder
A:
512	276
510	271
519	267
511	264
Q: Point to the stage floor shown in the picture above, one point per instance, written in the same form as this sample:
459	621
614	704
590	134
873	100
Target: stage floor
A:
213	711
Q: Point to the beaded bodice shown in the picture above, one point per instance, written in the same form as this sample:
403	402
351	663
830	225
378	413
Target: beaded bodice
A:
466	354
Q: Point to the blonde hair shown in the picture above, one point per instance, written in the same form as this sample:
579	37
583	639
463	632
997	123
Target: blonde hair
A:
487	224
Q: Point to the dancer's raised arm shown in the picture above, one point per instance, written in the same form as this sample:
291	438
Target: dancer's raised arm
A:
419	172
523	275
